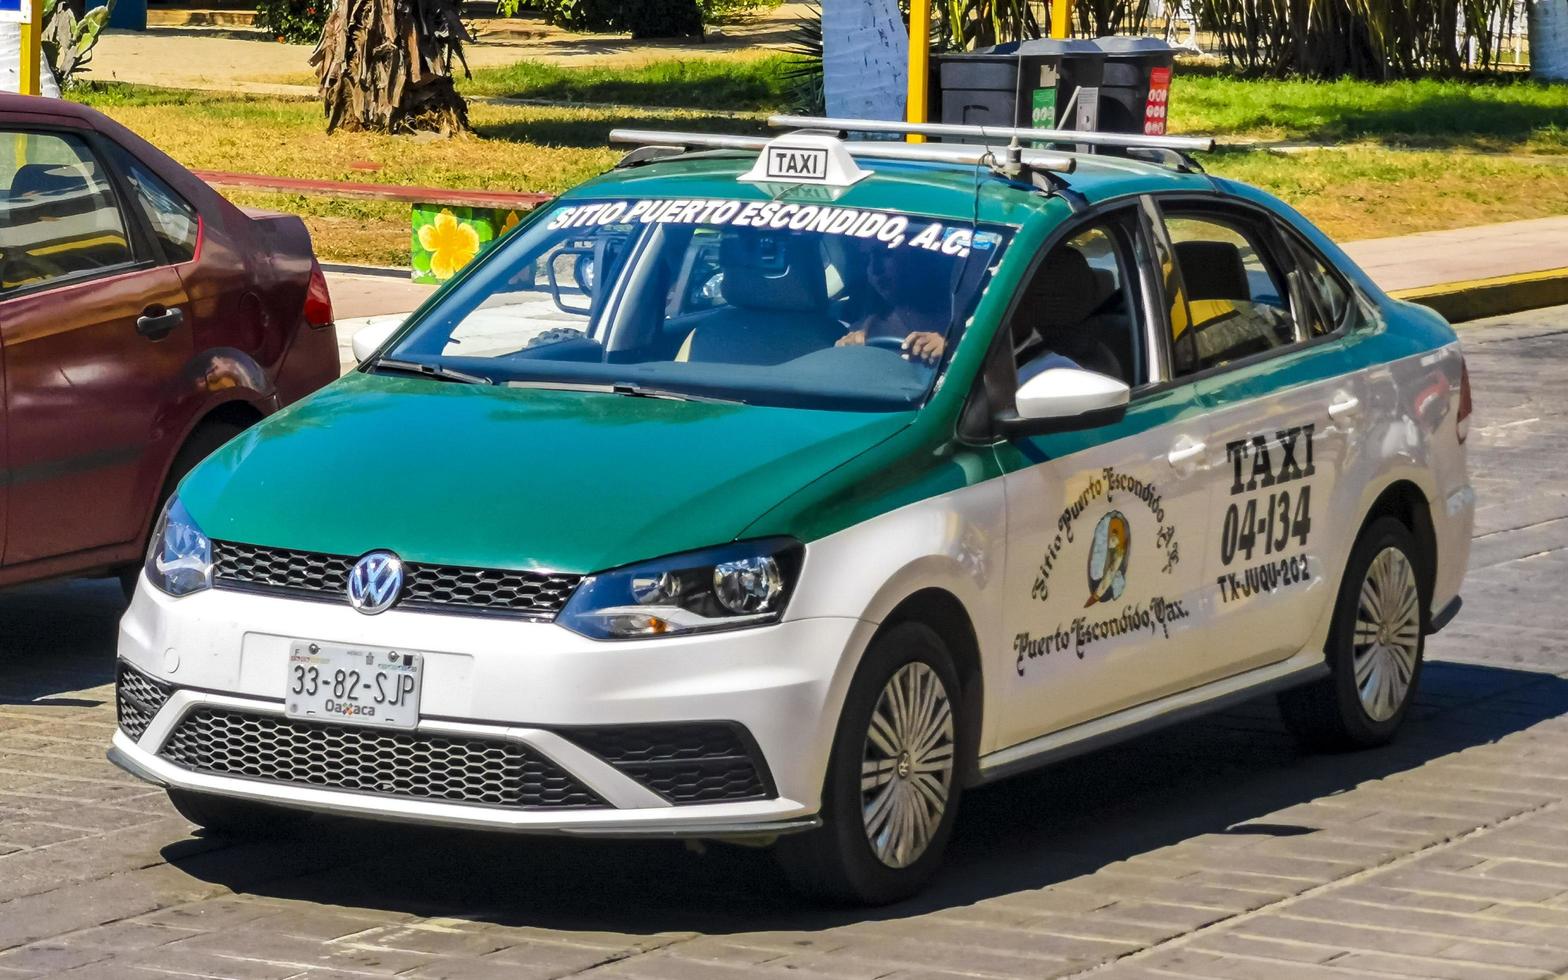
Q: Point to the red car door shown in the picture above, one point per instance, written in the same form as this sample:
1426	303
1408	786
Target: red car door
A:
94	344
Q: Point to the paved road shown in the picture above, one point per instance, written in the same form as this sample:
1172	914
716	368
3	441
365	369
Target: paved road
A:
1215	849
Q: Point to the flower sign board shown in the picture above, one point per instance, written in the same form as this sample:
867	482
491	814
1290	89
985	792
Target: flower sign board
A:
447	237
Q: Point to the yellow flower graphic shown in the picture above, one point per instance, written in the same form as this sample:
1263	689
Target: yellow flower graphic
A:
512	221
450	242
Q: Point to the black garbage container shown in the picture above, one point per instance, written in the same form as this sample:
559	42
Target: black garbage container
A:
1136	84
1022	83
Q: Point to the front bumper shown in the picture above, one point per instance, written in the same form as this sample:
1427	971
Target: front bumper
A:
521	684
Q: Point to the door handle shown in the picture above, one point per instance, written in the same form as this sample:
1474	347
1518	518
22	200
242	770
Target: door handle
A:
1185	451
157	322
1344	406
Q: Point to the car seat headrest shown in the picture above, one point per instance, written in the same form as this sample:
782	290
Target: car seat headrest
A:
1062	294
1212	270
41	191
778	272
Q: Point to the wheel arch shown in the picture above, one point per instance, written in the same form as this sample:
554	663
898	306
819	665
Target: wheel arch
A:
1404	501
944	613
235	411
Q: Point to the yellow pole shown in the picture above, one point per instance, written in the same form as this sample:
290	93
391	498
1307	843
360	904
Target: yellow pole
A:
32	64
1060	13
915	106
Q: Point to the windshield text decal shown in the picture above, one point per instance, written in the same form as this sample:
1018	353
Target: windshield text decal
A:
896	230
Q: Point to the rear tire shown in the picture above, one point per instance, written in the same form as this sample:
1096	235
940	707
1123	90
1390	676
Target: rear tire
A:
206	440
1375	646
892	787
236	819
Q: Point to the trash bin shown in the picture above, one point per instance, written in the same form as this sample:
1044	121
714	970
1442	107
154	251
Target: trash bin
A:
1022	83
1136	84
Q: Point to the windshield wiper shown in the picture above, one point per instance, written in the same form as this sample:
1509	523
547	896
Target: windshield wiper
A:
623	388
643	391
430	371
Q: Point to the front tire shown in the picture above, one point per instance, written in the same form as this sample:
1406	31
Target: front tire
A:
236	819
1375	649
892	788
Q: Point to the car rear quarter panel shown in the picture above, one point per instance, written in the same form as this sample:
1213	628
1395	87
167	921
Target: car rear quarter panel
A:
1409	390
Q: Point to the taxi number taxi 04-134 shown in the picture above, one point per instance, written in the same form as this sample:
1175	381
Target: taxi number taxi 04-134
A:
781	490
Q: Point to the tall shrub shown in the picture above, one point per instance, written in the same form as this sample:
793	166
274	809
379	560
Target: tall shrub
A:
295	21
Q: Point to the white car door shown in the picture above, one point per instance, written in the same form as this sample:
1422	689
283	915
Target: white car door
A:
1105	580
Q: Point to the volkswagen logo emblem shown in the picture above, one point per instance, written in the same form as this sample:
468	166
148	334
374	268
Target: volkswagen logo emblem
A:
375	583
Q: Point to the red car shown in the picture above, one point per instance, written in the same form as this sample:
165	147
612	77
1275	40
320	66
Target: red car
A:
144	321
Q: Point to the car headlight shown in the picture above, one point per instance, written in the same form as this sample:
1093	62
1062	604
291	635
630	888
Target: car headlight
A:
179	560
729	587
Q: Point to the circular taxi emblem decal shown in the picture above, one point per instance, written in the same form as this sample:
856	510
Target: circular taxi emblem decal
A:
1108	558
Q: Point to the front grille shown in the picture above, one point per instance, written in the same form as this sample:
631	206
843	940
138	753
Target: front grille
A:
431	588
704	762
480	771
137	699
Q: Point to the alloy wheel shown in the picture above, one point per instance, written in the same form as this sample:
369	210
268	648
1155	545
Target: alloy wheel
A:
906	773
1387	634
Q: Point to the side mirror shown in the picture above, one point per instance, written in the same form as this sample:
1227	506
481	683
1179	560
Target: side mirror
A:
1065	398
369	338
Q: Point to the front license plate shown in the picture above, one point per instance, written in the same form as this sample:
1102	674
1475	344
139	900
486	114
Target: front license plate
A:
353	685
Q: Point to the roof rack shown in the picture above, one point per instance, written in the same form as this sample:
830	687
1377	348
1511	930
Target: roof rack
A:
960	153
1008	133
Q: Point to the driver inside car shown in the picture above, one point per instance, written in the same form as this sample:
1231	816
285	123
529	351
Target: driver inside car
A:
909	299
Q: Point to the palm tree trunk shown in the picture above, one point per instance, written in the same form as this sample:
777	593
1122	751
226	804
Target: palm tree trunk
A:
1549	39
386	66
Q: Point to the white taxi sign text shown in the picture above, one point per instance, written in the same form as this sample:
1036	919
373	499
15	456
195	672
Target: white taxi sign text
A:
805	158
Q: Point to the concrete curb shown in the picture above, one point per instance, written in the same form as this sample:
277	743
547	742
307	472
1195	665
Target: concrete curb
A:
1475	299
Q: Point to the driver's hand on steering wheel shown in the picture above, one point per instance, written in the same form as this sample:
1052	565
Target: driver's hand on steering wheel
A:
925	345
855	338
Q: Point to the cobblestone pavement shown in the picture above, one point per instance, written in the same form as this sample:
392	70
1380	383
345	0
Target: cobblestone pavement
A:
1215	849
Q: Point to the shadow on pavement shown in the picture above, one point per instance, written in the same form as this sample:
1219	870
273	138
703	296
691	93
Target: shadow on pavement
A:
57	638
1217	776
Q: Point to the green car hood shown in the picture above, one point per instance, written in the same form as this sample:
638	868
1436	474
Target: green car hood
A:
514	478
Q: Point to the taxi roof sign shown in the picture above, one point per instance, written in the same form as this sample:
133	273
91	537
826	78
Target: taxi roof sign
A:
806	158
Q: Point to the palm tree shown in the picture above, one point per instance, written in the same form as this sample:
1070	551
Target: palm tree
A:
1549	39
386	66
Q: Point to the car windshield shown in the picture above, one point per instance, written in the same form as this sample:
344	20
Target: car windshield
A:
796	305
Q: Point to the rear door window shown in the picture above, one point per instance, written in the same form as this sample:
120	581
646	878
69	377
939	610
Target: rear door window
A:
59	219
1228	300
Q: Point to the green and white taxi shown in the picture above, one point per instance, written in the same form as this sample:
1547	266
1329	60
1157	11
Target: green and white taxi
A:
781	490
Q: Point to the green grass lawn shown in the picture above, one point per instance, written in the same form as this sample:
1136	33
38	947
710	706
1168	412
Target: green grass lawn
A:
1412	168
1510	113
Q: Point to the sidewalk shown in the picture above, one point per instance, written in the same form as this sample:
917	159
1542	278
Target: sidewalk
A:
1466	273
